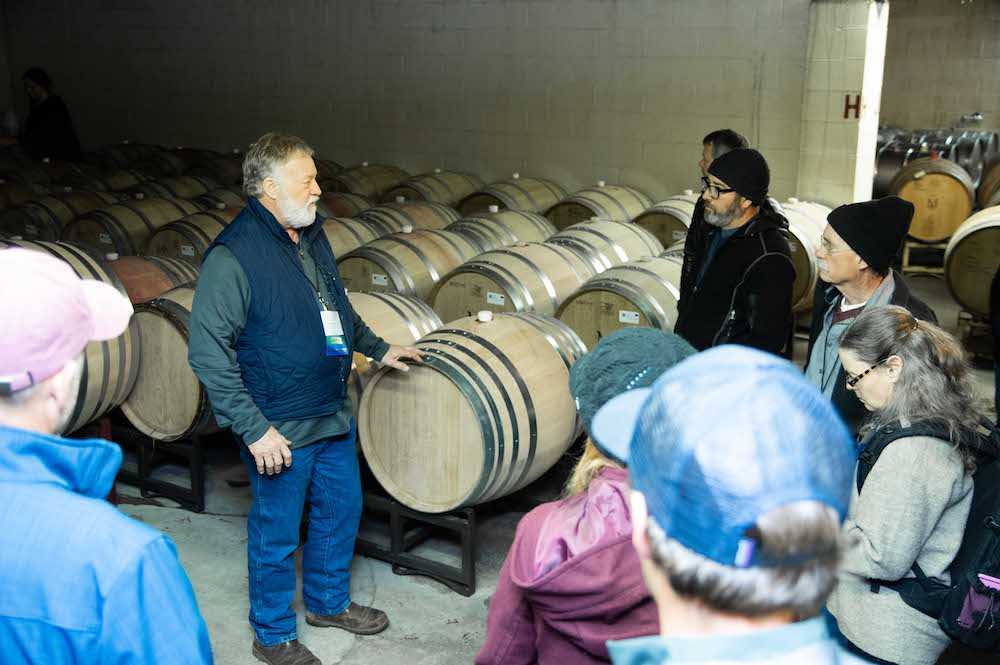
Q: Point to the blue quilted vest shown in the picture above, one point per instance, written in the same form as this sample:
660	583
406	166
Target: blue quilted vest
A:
281	350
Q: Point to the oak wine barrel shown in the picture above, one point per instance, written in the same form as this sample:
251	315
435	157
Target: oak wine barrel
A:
942	193
972	258
346	235
43	218
168	402
125	228
178	187
189	237
148	277
488	412
501	228
343	204
606	243
399	216
620	203
806	221
326	168
670	219
516	193
408	263
990	184
222	197
446	187
110	367
641	293
368	180
525	277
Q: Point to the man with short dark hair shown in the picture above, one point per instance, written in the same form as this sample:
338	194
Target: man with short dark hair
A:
736	521
854	258
79	581
272	335
736	284
716	144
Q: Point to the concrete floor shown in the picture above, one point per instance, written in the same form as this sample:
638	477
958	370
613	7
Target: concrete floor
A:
430	624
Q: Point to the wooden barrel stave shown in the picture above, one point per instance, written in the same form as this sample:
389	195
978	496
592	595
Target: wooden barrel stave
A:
396	217
942	193
147	277
505	227
346	235
345	204
445	187
189	237
517	193
608	243
619	203
125	228
368	180
972	259
670	219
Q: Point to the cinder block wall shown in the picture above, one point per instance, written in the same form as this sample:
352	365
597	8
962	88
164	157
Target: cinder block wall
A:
942	62
575	90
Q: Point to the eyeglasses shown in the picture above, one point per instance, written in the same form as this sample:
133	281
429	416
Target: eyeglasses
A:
854	379
713	190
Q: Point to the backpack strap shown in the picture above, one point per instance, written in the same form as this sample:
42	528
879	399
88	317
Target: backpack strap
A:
873	447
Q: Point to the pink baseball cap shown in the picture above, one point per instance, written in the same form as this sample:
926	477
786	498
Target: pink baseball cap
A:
49	316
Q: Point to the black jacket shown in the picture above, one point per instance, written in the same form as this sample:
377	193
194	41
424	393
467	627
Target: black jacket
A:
827	297
48	131
745	296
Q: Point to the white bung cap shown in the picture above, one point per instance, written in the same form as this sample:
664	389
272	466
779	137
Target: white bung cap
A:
111	256
601	183
793	200
364	163
407	228
494	208
400	199
484	316
688	192
515	175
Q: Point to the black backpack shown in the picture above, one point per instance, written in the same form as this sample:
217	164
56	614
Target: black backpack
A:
967	610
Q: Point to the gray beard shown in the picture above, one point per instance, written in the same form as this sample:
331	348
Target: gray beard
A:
297	218
720	219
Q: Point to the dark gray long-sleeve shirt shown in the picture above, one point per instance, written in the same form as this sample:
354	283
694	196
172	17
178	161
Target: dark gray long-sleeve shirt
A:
221	304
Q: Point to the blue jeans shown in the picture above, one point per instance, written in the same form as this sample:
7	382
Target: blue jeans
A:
326	474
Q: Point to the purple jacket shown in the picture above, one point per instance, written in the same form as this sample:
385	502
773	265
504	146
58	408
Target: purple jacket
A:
571	581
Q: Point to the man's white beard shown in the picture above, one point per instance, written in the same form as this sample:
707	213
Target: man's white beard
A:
297	217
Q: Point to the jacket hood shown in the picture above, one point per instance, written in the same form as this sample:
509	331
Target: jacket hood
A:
83	466
578	564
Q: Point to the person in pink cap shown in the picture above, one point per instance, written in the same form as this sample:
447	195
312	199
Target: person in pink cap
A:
79	581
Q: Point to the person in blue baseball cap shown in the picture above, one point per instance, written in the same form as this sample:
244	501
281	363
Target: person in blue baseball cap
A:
741	475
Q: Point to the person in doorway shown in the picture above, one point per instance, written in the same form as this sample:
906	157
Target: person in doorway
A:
48	130
571	580
79	581
743	273
854	259
272	335
909	507
735	520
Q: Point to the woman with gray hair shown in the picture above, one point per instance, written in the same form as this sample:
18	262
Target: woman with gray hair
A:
911	497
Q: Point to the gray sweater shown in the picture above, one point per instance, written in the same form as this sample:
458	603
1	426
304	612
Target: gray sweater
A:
913	507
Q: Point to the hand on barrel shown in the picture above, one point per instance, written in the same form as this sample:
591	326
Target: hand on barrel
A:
396	354
271	452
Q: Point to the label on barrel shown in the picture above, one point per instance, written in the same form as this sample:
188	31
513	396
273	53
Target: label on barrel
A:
30	229
793	246
678	235
495	298
626	316
105	238
379	280
187	250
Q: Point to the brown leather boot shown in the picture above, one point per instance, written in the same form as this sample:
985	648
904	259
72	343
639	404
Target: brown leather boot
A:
291	652
356	619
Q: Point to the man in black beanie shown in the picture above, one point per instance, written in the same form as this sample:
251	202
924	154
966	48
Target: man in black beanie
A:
740	289
855	258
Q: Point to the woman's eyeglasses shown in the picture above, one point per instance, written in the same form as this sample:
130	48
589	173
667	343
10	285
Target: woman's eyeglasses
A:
853	379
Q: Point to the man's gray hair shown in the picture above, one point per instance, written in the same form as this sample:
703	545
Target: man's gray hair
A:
266	155
807	533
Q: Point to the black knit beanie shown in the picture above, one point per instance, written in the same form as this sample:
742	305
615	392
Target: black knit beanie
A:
874	229
744	170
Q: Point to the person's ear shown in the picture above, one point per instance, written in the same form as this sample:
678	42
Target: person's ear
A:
894	368
271	187
640	522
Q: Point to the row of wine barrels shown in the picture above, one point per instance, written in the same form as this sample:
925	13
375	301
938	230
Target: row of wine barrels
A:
110	367
517	193
502	228
971	260
670	219
488	412
43	218
189	237
410	263
148	277
942	193
125	228
168	402
178	187
368	180
445	187
640	293
605	243
399	320
346	235
117	180
619	203
525	277
396	217
344	204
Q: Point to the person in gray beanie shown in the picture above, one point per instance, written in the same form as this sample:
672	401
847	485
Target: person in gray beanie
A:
740	274
571	580
854	258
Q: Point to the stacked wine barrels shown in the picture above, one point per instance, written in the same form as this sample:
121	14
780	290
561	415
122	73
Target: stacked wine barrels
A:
670	219
517	193
126	227
486	413
177	187
400	216
806	222
972	259
445	187
343	204
189	237
501	228
371	181
619	203
605	243
43	218
970	150
110	368
346	235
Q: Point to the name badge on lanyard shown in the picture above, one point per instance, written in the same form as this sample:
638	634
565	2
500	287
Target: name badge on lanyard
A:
333	331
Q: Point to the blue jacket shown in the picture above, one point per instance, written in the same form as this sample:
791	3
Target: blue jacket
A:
282	349
79	581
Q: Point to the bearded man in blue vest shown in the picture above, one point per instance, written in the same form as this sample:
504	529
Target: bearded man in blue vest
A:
272	334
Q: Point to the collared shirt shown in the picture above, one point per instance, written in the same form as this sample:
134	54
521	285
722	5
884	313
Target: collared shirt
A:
802	643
